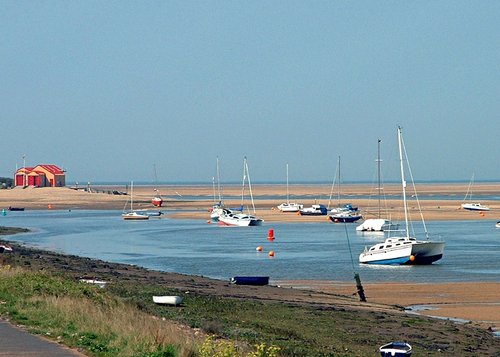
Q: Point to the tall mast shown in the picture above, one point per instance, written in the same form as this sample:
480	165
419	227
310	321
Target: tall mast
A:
287	195
403	181
378	175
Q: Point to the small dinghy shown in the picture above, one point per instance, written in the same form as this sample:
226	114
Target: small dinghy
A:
168	300
395	349
250	280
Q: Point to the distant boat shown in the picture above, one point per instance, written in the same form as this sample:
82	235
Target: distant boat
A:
5	248
497	224
314	210
16	208
472	206
289	206
229	218
395	349
132	215
346	213
157	201
378	224
250	280
345	217
168	300
405	249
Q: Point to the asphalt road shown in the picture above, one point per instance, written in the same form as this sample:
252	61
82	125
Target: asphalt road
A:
17	342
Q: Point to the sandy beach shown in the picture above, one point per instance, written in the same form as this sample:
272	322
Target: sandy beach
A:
476	302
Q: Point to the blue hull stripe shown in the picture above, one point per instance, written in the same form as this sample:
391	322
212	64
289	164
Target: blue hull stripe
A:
402	260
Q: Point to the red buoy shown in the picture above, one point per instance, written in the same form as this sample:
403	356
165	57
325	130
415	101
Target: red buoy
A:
270	234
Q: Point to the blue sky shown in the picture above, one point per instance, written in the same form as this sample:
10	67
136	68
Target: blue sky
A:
111	89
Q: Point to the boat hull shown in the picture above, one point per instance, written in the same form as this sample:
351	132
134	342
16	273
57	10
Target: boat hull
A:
168	300
134	216
407	253
345	218
290	207
239	220
250	280
475	207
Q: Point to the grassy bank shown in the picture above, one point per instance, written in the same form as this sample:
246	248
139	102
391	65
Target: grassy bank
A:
40	291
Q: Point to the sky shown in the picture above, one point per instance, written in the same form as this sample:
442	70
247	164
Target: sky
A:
156	91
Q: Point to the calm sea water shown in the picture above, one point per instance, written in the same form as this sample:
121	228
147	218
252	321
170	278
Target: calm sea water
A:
302	250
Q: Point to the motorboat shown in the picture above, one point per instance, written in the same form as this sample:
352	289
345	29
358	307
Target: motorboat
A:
475	206
405	249
314	210
377	225
290	207
396	349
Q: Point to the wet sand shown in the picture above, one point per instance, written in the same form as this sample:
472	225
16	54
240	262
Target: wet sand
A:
478	301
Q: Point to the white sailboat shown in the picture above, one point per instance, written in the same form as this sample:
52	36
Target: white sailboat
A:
472	206
131	214
378	224
229	218
405	249
289	206
342	213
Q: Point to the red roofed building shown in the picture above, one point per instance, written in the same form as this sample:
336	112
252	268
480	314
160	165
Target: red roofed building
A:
40	176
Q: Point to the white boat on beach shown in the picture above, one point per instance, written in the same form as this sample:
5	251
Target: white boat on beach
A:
229	218
289	206
405	249
472	206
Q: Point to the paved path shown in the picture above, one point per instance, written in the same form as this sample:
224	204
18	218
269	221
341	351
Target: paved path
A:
16	342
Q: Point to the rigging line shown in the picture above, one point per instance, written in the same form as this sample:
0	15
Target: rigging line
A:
415	191
349	245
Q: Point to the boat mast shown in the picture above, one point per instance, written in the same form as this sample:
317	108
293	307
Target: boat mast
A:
338	172
403	181
131	195
249	184
378	175
287	195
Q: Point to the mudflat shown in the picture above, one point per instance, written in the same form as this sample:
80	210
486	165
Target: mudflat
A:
473	301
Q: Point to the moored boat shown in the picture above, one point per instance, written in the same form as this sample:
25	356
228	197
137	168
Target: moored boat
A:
239	219
377	225
405	249
345	217
314	210
475	206
289	206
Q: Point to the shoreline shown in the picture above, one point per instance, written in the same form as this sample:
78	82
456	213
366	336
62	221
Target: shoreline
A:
453	300
193	202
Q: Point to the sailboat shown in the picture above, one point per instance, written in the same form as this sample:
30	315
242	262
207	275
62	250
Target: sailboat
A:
472	206
218	207
405	249
345	213
131	214
229	218
157	201
378	224
289	206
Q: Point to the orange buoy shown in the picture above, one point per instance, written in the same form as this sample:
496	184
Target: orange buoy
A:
271	253
49	206
209	221
412	258
270	234
259	248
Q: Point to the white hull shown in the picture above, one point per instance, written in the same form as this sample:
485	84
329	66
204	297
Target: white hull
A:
290	207
239	220
377	225
475	207
134	216
168	300
403	251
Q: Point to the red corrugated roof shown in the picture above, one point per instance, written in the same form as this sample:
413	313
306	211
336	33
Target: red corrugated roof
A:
56	170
